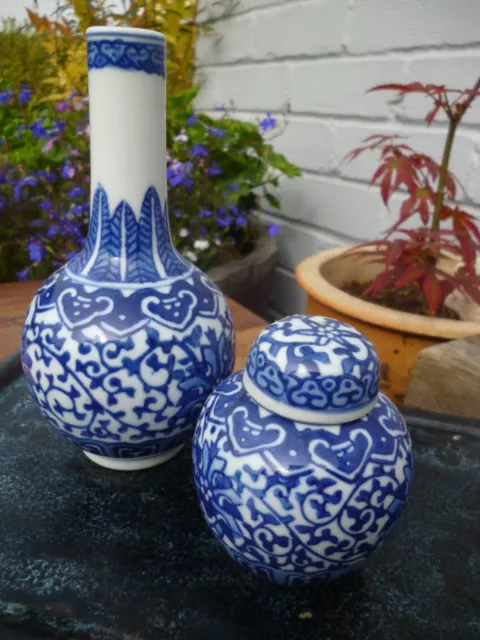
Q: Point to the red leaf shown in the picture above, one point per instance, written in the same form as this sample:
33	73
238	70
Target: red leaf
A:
450	186
433	290
430	166
412	274
352	155
378	173
407	208
385	188
412	87
432	114
382	281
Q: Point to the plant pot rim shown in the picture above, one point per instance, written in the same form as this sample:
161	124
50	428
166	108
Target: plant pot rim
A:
311	279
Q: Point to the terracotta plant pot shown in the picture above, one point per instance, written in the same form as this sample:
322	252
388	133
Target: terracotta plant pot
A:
397	336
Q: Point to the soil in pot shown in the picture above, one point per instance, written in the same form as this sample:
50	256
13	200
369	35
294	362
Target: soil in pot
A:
409	299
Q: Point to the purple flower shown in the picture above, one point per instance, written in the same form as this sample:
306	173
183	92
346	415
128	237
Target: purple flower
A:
233	187
45	175
25	95
36	223
177	174
176	179
76	192
23	274
57	127
46	204
241	220
223	218
29	181
198	151
214	170
52	231
181	137
6	96
71	255
234	209
273	229
35	250
77	209
192	119
62	106
50	144
68	171
224	222
268	123
204	213
219	133
38	129
81	104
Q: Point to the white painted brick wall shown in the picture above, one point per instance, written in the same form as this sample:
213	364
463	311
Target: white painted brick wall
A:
320	57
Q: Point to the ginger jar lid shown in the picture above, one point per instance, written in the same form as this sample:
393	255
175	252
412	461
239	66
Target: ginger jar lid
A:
313	369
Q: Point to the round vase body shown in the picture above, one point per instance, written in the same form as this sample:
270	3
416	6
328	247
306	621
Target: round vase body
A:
293	501
122	346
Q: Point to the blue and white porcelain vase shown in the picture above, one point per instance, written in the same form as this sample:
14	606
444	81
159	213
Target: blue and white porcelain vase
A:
122	346
301	465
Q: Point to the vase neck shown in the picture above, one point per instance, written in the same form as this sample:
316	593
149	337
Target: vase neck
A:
129	237
126	85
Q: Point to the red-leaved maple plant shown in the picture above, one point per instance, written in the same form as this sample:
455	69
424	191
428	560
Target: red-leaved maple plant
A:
410	256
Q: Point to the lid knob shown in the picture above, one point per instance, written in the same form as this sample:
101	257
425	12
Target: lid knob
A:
313	369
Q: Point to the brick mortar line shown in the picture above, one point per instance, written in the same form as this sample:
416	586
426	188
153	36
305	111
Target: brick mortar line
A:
349	120
405	55
309	227
261	8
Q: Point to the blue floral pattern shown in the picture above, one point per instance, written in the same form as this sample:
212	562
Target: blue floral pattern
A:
315	364
122	346
127	54
296	502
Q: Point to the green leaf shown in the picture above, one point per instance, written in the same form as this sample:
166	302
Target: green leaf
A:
278	161
275	202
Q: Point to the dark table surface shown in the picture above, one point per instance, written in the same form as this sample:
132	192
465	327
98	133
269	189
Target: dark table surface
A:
92	554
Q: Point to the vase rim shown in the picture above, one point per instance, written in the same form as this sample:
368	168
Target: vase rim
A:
124	31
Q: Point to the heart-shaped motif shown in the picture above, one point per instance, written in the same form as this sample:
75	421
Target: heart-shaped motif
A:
175	313
345	459
113	50
90	308
137	55
247	436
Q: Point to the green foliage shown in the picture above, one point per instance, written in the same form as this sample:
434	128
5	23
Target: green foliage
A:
64	42
43	157
218	169
228	170
23	60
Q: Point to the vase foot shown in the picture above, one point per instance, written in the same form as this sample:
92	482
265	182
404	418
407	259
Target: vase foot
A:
133	464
